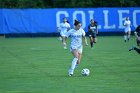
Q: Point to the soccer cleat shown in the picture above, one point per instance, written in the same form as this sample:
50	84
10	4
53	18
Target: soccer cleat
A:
128	39
65	47
70	72
70	75
132	48
125	41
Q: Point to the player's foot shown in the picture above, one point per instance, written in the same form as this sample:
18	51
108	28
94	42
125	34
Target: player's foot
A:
70	72
132	48
65	47
128	39
70	75
125	41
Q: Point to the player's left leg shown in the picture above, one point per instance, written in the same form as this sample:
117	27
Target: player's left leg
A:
64	42
134	48
138	50
125	36
94	39
128	35
79	58
91	41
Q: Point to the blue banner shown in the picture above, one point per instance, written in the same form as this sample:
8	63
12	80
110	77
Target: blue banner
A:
47	20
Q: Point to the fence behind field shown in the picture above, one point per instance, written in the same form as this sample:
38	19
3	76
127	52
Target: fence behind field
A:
47	20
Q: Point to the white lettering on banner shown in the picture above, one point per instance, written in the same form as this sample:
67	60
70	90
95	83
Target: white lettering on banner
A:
135	17
121	19
58	17
87	15
91	14
75	13
106	21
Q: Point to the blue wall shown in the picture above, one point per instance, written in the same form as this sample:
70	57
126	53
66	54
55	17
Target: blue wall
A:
47	20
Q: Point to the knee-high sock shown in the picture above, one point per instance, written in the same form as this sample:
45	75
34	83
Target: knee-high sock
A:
73	64
64	44
125	37
74	61
91	43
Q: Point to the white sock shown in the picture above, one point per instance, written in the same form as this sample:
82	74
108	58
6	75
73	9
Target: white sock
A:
64	44
74	61
60	38
125	37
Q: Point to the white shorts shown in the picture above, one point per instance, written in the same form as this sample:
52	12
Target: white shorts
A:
63	34
127	29
79	49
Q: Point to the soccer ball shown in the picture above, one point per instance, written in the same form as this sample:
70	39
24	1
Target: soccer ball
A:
85	72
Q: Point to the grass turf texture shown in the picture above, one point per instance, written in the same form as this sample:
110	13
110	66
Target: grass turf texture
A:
40	65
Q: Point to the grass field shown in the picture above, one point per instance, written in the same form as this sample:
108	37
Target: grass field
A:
40	65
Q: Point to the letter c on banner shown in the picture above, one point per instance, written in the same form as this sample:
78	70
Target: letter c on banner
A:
83	17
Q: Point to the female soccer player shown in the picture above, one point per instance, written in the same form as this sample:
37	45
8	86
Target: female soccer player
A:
76	47
64	27
137	35
127	24
92	29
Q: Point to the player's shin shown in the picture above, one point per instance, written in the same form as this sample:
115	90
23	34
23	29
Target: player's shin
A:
125	37
64	45
128	37
91	44
74	61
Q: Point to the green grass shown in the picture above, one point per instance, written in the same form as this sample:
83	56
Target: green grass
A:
40	65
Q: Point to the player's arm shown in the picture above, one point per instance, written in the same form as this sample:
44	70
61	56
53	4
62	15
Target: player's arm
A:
58	29
84	36
96	28
68	34
89	30
124	23
68	26
85	40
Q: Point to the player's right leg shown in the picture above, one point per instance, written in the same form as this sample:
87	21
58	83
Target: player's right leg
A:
74	62
134	48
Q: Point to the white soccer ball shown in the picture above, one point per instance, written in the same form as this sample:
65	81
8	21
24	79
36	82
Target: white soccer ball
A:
85	72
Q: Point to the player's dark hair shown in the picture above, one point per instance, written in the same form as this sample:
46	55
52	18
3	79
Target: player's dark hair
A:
67	19
91	20
76	22
95	23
